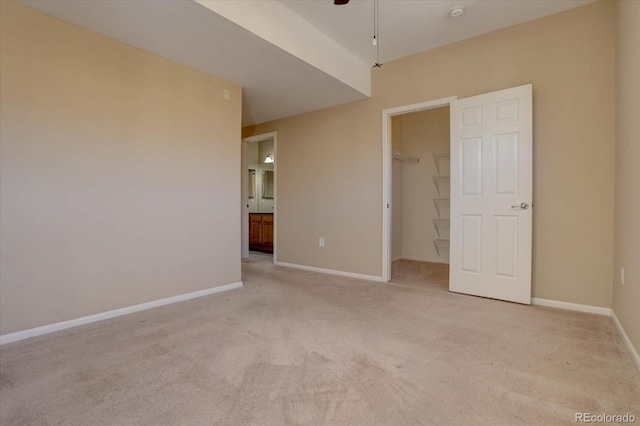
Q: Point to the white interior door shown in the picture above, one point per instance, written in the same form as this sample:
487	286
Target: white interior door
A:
491	195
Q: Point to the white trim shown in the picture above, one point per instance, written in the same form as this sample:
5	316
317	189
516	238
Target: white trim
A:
245	212
58	326
420	106
427	259
387	159
571	306
275	197
593	310
396	259
625	338
260	137
329	271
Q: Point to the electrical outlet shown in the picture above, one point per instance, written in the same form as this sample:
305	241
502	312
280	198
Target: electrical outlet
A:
622	276
226	94
321	242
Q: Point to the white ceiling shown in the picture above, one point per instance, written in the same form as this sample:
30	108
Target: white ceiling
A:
290	63
407	27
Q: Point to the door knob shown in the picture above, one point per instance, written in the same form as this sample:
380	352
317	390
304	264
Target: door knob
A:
523	206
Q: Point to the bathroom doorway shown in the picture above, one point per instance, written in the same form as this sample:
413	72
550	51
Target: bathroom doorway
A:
259	195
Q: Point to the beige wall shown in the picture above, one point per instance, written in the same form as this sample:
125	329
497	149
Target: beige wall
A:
329	185
626	299
119	174
424	134
330	161
265	148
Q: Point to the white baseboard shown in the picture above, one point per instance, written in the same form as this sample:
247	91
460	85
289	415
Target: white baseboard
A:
571	306
593	310
329	271
632	349
58	326
426	259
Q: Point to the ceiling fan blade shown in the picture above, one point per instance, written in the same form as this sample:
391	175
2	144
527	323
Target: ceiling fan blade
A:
339	2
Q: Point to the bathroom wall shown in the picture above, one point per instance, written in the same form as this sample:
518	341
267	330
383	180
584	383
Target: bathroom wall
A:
256	153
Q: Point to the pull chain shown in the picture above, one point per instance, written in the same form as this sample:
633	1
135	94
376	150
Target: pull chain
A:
376	35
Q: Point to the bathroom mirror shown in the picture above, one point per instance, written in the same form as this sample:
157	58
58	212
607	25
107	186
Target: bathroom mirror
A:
267	184
252	184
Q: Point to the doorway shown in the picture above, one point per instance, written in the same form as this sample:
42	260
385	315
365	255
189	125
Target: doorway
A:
389	245
490	192
258	179
420	187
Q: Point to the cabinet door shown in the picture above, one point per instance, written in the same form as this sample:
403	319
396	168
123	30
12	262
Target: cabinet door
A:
267	229
255	228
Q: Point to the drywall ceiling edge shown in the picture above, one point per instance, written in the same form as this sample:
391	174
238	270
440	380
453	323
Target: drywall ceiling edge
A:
277	24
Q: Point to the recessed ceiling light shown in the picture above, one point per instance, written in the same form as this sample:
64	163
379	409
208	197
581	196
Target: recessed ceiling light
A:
456	11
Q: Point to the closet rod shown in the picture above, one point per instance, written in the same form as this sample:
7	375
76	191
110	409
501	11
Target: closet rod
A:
399	155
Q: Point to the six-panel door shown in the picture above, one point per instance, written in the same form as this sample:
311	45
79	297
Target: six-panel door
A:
491	195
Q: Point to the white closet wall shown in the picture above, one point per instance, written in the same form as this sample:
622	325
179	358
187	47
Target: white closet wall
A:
424	134
396	190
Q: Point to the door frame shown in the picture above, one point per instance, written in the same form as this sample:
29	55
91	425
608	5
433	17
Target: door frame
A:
244	182
387	161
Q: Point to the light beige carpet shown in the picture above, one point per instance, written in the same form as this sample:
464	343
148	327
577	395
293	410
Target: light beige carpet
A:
302	348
